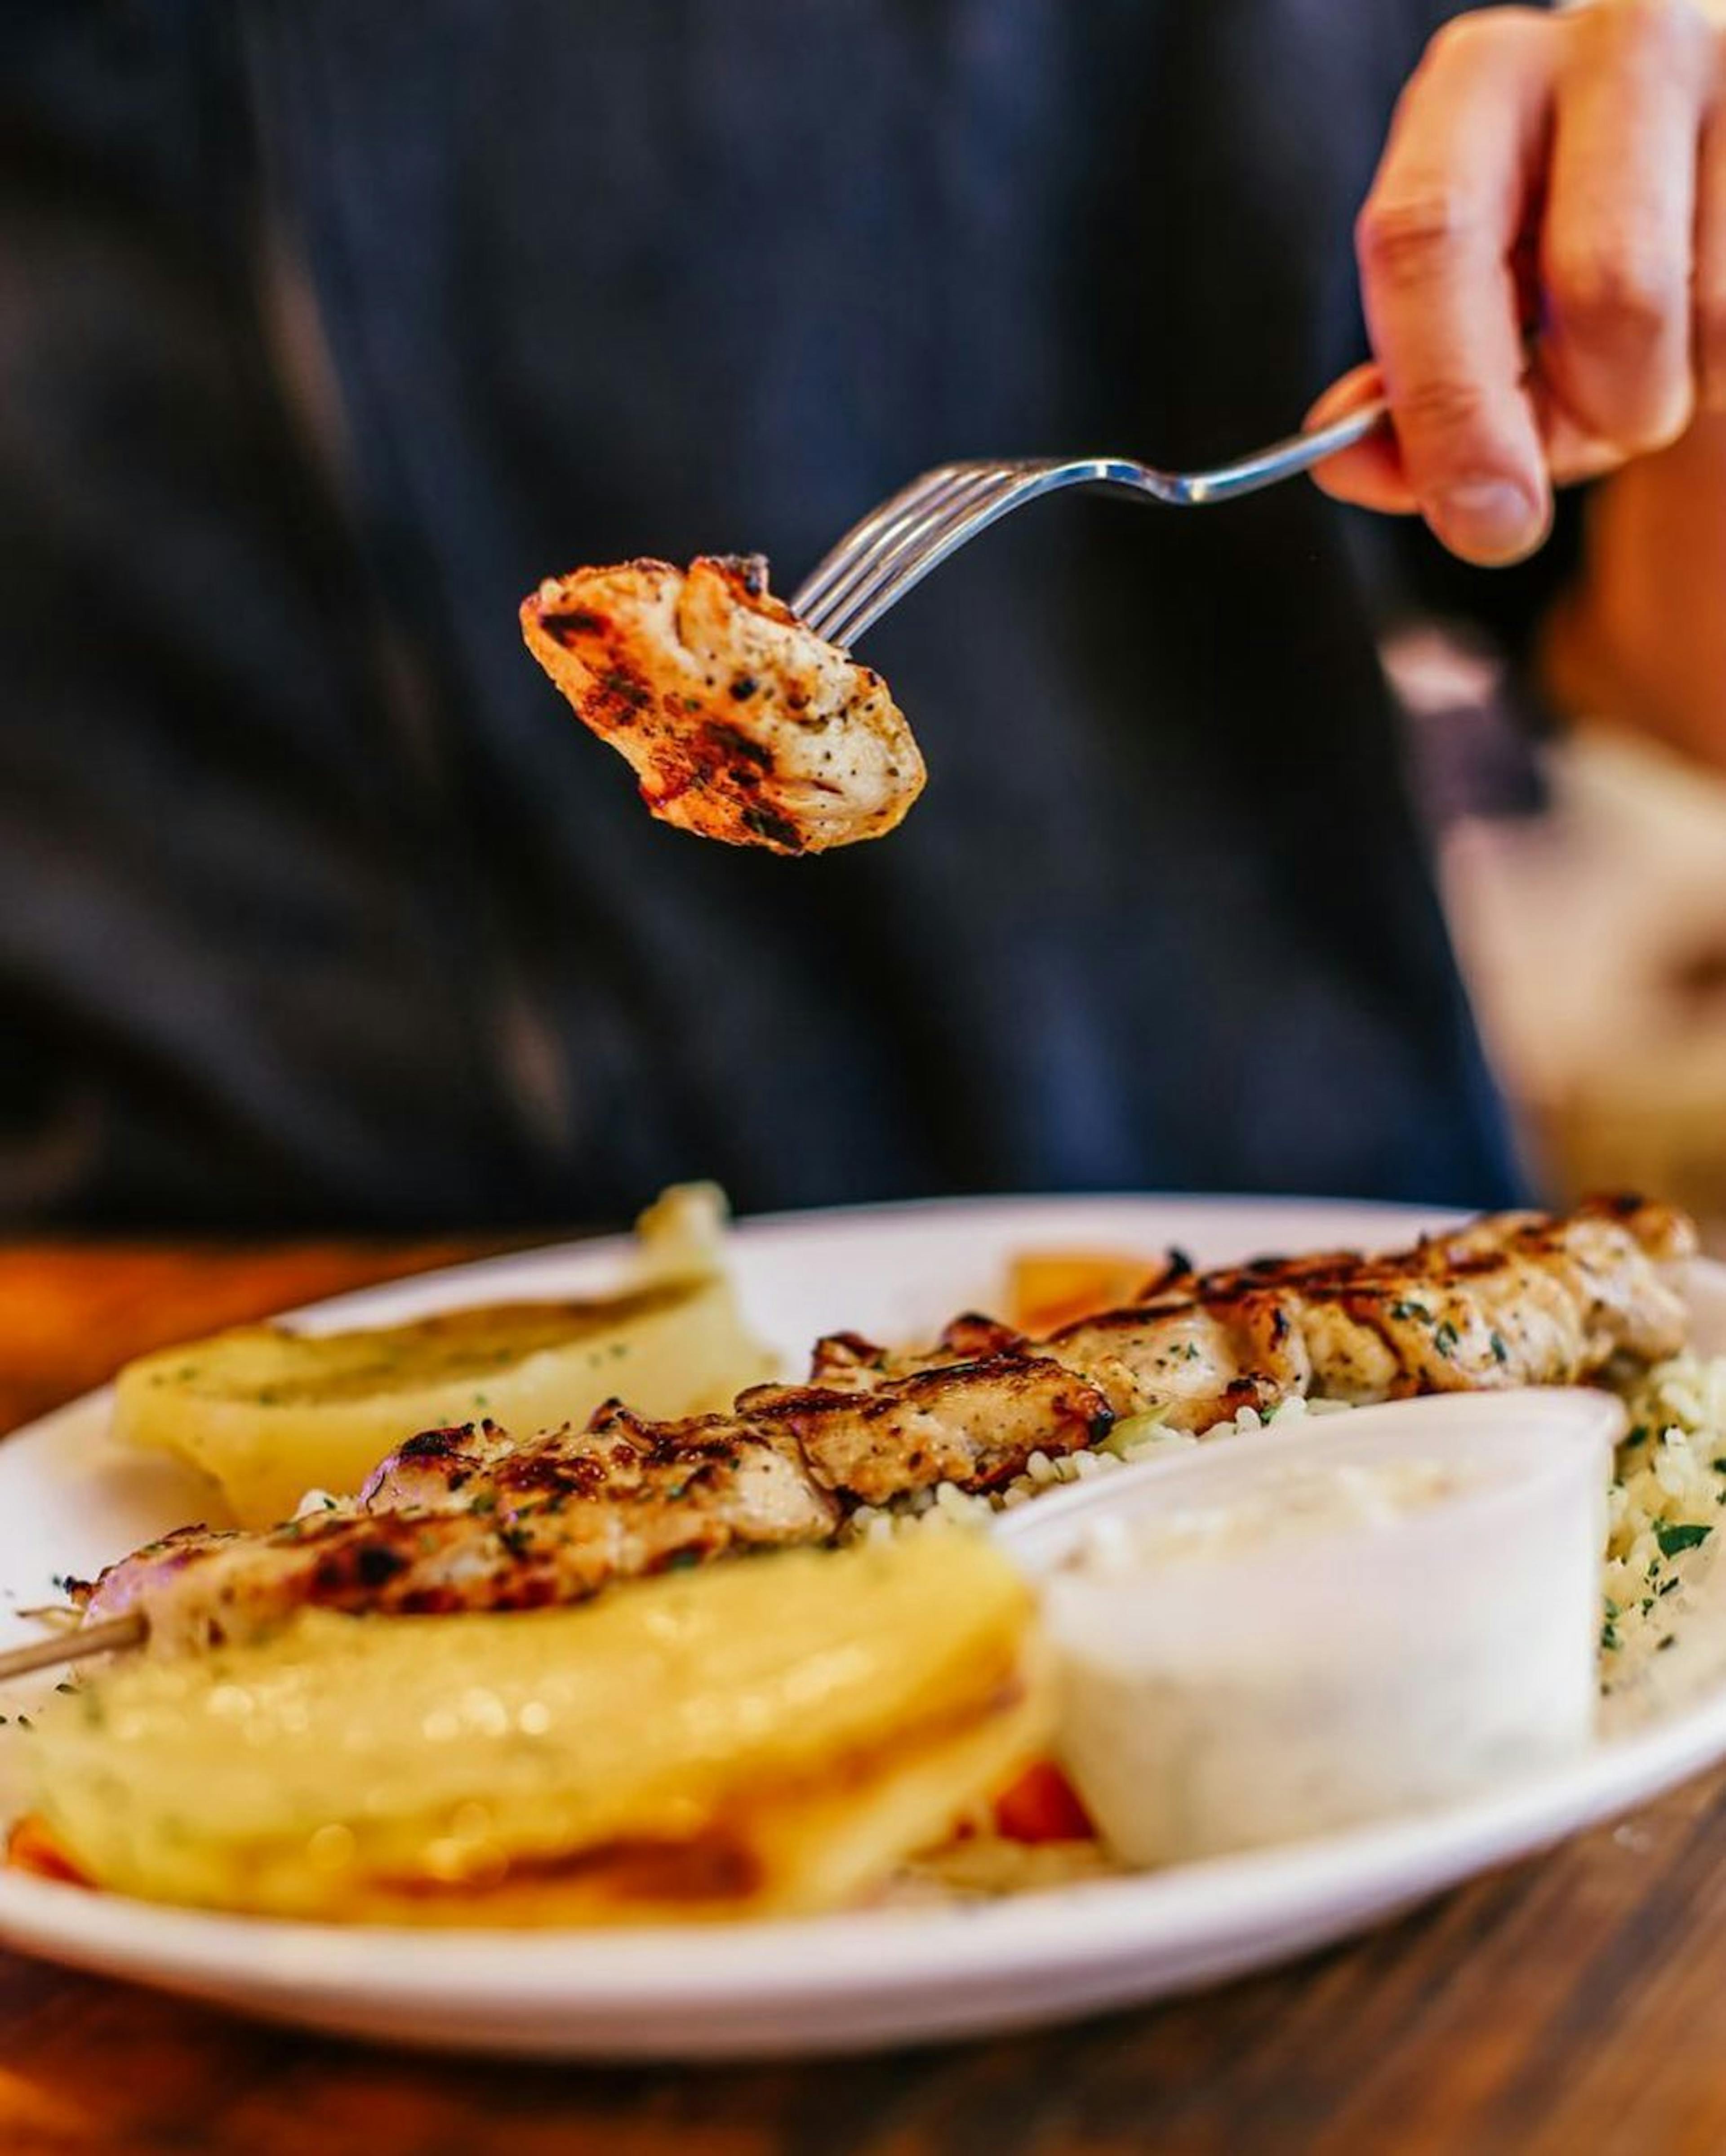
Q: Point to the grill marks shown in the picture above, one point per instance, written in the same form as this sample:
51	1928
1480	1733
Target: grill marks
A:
1513	1299
976	1423
464	1519
740	723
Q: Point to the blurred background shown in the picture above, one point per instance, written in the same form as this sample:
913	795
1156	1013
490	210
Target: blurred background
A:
324	333
1584	875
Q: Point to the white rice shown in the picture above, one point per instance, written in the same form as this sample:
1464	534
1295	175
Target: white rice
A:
1667	1497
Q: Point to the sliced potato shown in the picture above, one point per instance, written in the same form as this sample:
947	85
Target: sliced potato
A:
769	1736
270	1413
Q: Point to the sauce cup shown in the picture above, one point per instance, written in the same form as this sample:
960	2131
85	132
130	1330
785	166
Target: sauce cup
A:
1284	1634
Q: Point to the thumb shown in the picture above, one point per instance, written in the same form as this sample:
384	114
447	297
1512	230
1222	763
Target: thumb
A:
1370	474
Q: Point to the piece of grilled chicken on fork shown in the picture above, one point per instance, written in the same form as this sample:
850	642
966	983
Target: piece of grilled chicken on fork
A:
739	723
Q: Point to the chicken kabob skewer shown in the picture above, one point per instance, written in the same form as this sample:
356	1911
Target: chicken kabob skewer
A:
468	1518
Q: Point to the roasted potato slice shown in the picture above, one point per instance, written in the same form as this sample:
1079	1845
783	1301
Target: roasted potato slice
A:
270	1413
768	1737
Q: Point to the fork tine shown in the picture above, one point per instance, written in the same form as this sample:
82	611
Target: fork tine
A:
901	539
869	601
819	584
909	512
889	564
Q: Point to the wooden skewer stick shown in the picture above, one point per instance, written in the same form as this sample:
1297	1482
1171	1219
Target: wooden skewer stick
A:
108	1638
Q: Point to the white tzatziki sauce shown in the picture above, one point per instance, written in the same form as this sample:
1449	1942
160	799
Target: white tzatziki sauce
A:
1289	1503
1257	1657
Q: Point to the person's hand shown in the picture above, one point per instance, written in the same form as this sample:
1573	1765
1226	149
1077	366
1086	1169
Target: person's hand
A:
1543	262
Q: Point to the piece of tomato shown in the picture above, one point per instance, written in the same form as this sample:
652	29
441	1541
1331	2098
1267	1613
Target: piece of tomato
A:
30	1847
1042	1806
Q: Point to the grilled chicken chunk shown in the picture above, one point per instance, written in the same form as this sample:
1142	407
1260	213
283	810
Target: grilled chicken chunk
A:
1512	1299
463	1519
740	723
972	1422
1196	1366
847	1362
747	1474
1197	1363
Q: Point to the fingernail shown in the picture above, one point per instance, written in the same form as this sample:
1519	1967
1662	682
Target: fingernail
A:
1491	520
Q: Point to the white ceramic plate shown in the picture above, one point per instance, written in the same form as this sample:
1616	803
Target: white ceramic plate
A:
69	1501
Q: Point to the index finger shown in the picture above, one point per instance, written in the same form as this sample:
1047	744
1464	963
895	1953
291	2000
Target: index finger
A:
1437	242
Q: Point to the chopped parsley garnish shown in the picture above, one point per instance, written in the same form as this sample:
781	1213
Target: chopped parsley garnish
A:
1609	1638
1501	1353
1404	1310
1673	1538
1445	1336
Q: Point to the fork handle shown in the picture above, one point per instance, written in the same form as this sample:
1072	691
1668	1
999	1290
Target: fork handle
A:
1282	459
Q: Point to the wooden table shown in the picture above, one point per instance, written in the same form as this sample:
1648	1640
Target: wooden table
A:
1576	2004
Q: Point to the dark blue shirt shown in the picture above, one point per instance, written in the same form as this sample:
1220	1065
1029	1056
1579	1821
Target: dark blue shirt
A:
330	327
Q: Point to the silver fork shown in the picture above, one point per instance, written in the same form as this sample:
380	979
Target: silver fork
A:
895	547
